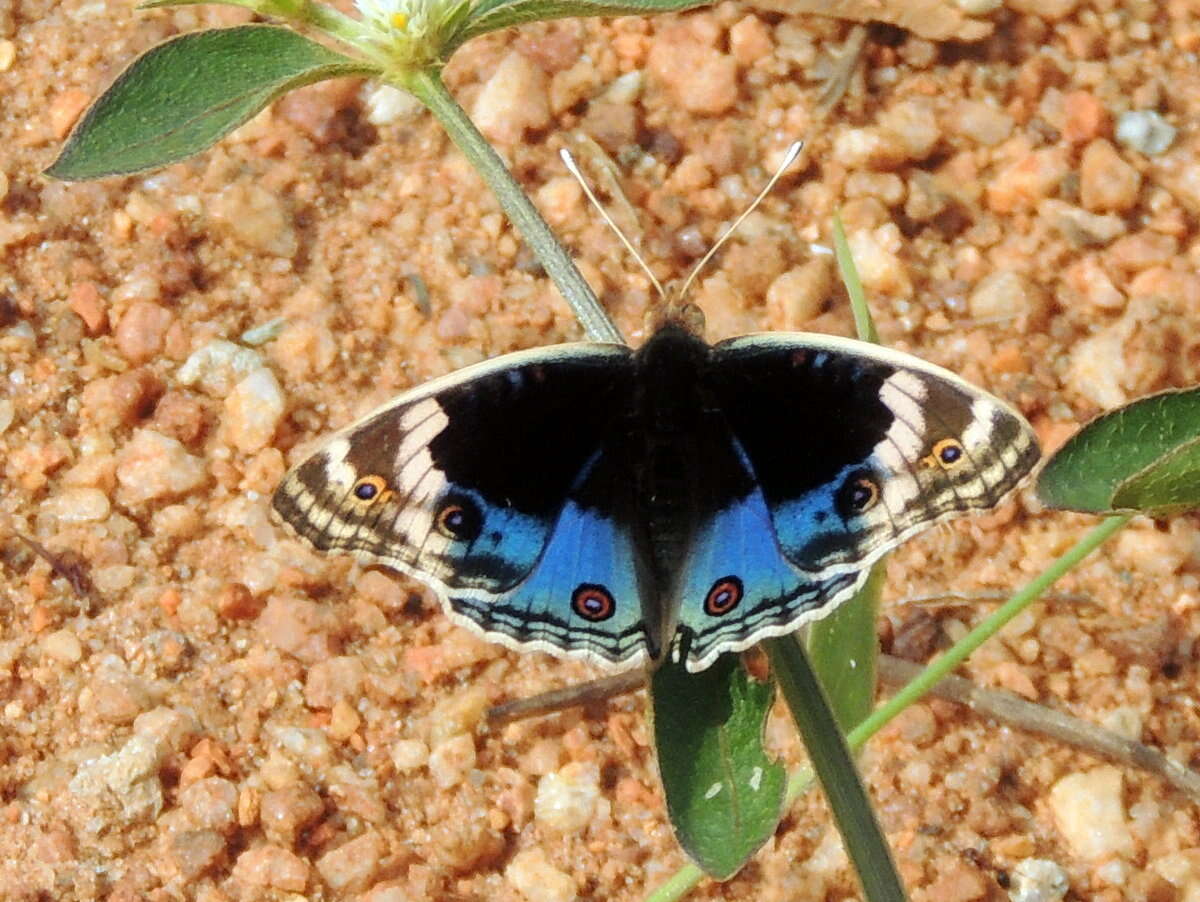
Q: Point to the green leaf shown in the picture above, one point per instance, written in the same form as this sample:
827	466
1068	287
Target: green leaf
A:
1139	457
843	649
1171	485
724	794
492	15
181	97
852	812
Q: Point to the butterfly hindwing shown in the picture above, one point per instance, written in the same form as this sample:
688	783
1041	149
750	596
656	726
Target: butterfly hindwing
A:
737	587
482	484
856	448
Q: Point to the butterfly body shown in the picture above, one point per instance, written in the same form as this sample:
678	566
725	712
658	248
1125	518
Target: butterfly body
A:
592	500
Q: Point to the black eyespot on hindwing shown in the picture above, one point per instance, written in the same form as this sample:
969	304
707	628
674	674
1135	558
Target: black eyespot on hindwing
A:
593	602
724	596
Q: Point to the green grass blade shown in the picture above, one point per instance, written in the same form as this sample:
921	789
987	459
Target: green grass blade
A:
852	812
182	96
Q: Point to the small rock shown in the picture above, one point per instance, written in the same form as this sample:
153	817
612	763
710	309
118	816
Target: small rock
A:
77	505
532	875
180	416
1080	227
257	218
983	123
286	812
451	760
218	366
1027	180
1038	880
1097	368
1090	813
196	851
273	867
701	78
254	410
566	799
879	266
236	602
1145	131
1084	117
1001	294
387	105
86	303
63	646
1086	279
913	124
329	681
798	295
750	40
140	333
1050	10
65	109
352	867
152	466
211	804
124	786
299	627
409	755
514	99
1107	182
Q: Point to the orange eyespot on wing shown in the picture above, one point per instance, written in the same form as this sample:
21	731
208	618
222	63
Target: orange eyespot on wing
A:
947	453
371	489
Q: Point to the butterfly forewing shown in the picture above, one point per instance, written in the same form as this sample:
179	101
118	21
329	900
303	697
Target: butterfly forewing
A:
488	484
863	446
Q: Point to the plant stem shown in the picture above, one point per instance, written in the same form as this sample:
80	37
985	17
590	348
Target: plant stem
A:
333	22
862	836
429	88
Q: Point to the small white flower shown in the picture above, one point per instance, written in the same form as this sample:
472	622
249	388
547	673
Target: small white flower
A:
412	32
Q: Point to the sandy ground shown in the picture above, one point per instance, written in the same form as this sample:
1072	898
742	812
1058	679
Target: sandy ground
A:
237	718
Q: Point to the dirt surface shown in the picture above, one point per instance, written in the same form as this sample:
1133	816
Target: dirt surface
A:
231	717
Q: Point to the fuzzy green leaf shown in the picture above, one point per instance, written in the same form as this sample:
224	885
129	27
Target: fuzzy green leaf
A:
724	794
1142	456
182	96
492	15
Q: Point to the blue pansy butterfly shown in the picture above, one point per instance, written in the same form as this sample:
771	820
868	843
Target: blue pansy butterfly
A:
595	501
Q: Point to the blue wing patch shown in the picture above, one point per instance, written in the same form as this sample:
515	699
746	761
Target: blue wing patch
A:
581	598
737	587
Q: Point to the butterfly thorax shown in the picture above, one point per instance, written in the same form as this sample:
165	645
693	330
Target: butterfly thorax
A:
670	409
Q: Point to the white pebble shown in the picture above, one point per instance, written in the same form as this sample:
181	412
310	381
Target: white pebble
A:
1090	813
566	799
76	505
64	646
1038	880
218	366
386	105
151	466
451	760
512	100
1145	131
1001	294
532	875
254	409
7	412
409	755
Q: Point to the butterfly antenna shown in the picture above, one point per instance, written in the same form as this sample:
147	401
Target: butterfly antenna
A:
788	158
569	162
